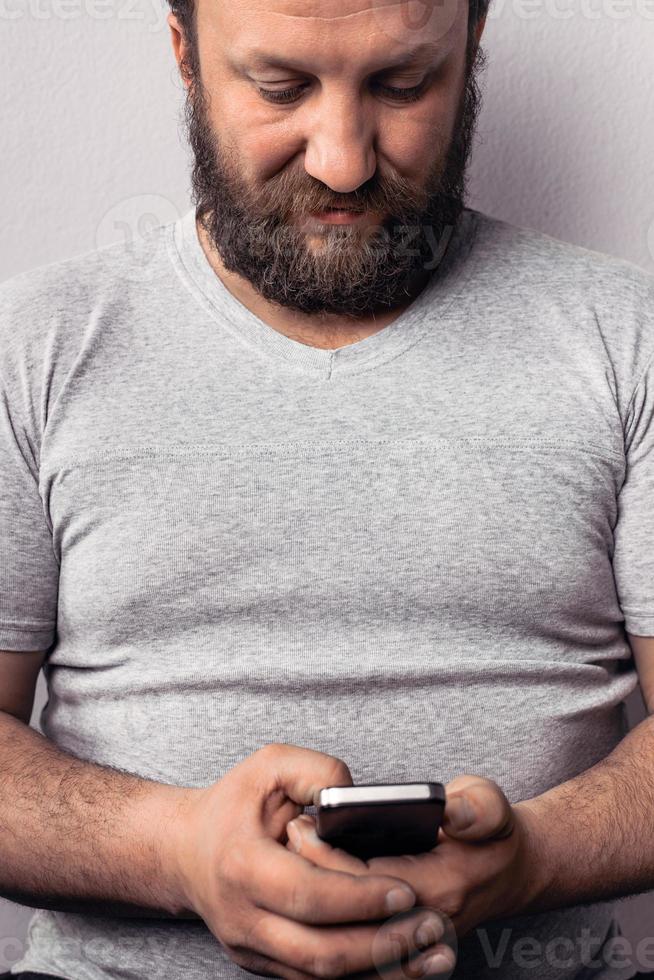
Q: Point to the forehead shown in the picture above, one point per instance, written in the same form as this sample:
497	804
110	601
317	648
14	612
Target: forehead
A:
334	31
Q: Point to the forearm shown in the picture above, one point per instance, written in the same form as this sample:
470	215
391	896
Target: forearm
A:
79	837
593	835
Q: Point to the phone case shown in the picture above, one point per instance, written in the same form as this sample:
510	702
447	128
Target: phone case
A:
377	828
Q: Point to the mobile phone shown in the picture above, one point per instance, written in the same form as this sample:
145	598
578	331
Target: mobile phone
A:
381	819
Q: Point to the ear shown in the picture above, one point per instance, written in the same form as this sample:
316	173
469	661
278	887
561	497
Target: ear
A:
180	48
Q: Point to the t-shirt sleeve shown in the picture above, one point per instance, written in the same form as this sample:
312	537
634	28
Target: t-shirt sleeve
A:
633	559
29	572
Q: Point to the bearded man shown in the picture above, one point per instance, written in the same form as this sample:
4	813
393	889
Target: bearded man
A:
334	480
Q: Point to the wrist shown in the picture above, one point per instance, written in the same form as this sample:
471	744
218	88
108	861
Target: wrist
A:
537	892
171	824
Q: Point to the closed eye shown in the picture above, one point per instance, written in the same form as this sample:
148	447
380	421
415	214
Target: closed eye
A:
404	95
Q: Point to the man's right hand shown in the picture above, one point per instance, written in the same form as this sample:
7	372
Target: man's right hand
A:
274	912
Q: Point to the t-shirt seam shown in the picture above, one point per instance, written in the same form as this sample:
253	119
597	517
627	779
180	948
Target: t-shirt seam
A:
318	448
35	628
184	272
648	364
35	463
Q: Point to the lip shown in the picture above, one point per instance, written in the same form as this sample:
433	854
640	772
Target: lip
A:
338	217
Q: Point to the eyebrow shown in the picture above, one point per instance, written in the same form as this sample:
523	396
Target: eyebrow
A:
422	52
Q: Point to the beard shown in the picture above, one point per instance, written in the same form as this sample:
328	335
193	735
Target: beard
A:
354	271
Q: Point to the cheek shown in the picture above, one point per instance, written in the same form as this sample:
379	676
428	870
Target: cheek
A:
263	147
266	150
410	145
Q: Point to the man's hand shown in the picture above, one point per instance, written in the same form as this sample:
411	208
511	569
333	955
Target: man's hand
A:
274	913
484	866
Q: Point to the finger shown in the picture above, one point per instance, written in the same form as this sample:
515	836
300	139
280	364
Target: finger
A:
294	887
421	966
301	773
476	809
263	966
422	872
438	961
417	870
277	811
303	839
342	950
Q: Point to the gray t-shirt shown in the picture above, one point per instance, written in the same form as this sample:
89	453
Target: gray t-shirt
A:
418	552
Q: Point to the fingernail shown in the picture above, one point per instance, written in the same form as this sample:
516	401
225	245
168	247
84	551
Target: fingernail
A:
399	899
429	933
294	835
438	963
460	812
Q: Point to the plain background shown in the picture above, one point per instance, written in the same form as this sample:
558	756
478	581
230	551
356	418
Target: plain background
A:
92	151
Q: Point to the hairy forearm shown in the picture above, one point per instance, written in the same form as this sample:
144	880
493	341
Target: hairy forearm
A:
593	834
79	837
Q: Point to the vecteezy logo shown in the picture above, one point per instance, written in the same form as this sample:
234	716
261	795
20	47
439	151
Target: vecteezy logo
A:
134	222
418	20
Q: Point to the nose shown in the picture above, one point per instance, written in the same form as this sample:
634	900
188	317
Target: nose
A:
340	150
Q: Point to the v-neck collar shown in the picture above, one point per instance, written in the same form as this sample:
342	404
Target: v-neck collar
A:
445	284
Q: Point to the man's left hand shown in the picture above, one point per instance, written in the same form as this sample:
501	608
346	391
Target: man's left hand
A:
485	865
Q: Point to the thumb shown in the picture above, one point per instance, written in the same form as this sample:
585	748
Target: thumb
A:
290	777
301	773
476	809
296	773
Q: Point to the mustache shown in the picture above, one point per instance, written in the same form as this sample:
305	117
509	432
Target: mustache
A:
293	191
290	192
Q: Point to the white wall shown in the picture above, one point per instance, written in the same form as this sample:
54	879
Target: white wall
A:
91	150
567	133
91	141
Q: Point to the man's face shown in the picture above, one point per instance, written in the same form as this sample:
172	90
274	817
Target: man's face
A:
297	107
